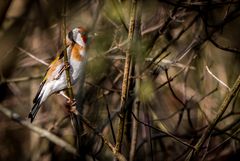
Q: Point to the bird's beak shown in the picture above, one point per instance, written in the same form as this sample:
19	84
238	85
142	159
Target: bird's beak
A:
91	37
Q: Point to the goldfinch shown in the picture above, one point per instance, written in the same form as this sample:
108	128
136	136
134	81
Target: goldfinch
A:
55	78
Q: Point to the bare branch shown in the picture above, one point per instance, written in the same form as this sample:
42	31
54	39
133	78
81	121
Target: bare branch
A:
215	77
32	56
41	132
230	95
118	155
20	79
126	76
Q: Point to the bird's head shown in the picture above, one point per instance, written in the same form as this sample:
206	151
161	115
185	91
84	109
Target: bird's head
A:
78	35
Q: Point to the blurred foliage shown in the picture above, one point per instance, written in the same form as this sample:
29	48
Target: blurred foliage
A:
173	44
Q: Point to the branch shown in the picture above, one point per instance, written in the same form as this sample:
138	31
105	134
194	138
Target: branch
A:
118	155
73	108
20	79
126	76
215	77
32	56
30	77
230	95
164	131
171	89
41	132
192	5
233	50
66	63
171	42
137	70
55	139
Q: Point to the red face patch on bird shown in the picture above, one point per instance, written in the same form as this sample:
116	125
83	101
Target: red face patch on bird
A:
84	38
83	33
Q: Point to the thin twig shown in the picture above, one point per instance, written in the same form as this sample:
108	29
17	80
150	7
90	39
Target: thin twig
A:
118	155
171	89
230	95
20	79
225	48
120	13
164	132
215	77
31	77
136	107
224	142
110	121
32	56
149	59
172	41
134	130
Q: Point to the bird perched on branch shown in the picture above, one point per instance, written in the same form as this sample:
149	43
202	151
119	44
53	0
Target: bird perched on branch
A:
55	78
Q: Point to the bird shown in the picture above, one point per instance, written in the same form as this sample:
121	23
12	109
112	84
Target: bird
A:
55	80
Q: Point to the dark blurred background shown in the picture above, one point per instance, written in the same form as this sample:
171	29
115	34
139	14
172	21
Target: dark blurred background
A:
185	42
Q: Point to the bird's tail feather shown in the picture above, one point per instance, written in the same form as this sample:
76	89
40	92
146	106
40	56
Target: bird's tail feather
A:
35	108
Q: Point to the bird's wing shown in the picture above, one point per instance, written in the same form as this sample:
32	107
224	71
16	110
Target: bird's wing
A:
53	70
55	66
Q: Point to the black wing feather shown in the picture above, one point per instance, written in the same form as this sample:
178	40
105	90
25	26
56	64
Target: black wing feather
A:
35	108
39	91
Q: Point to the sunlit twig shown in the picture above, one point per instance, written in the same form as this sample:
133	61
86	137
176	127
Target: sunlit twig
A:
32	56
215	77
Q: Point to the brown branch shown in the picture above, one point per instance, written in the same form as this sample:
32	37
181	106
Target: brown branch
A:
20	79
41	132
235	131
126	77
32	56
137	68
230	95
164	132
134	131
136	106
66	63
192	5
171	89
176	75
120	13
73	109
110	120
118	155
233	50
171	42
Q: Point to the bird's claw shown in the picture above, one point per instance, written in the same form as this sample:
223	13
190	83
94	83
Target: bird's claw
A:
66	65
71	102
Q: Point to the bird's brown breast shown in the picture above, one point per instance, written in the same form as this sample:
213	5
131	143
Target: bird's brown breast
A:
75	54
